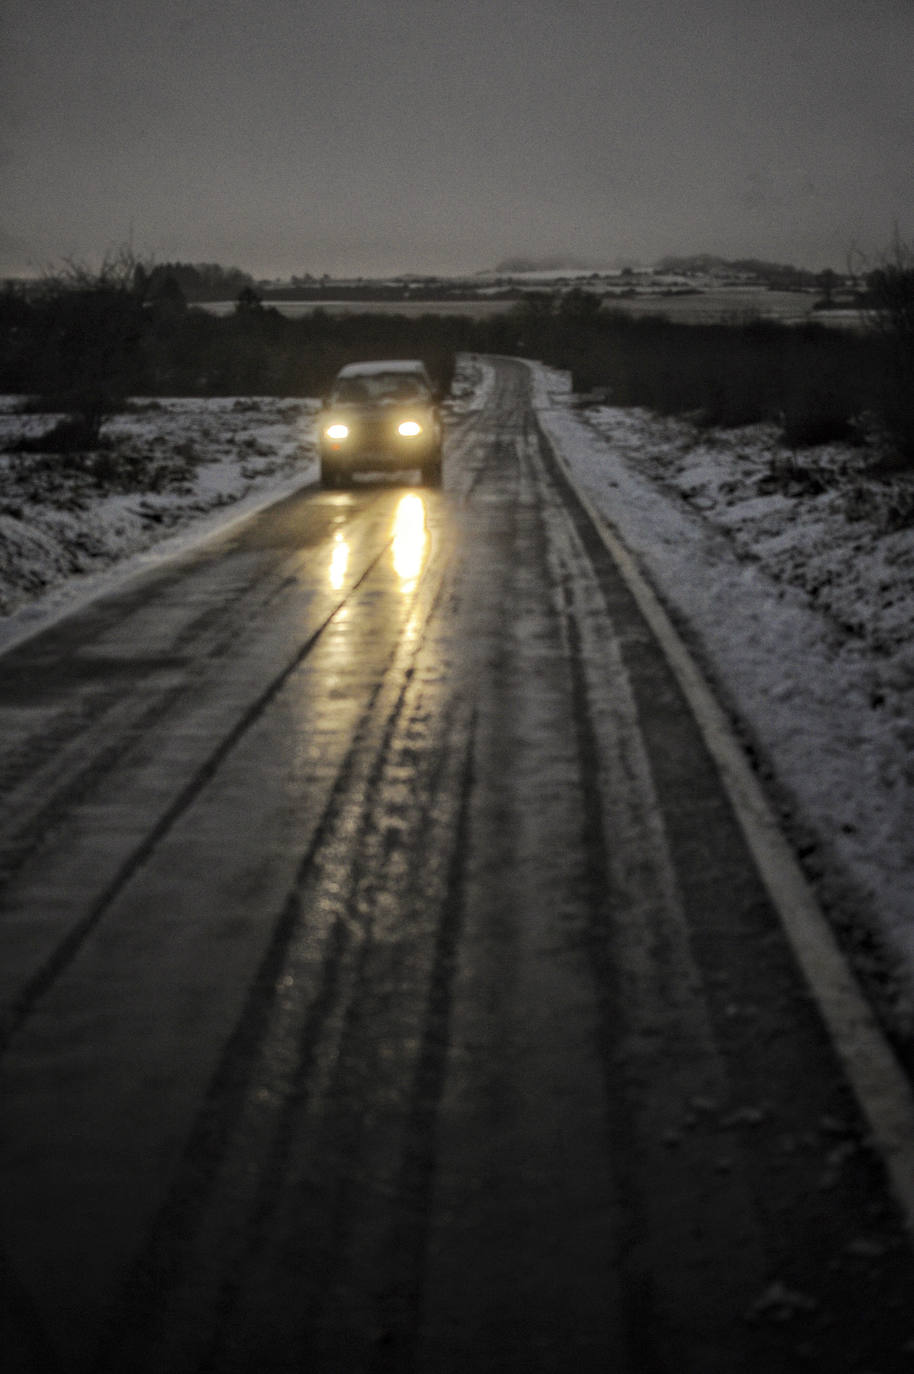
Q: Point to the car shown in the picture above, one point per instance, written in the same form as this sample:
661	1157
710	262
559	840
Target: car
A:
380	416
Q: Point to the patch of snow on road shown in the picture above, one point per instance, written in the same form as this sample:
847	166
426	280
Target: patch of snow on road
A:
472	386
791	575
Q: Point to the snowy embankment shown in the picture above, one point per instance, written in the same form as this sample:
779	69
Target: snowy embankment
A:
791	577
171	471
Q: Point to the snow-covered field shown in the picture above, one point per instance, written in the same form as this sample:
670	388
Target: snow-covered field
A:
790	575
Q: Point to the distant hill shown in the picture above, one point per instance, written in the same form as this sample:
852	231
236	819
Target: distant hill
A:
755	267
555	263
697	264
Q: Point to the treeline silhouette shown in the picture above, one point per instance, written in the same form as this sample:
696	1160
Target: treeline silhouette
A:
83	347
82	351
197	281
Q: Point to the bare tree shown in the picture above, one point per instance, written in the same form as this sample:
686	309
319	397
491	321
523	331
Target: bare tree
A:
890	314
92	325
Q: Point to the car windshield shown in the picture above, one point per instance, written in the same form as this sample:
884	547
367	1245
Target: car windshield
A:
380	386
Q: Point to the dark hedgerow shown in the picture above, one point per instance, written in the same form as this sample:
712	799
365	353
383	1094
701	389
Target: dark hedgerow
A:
82	351
813	380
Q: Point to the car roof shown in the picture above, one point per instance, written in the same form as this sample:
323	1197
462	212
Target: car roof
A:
410	366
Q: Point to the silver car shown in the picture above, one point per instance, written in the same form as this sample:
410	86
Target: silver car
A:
380	416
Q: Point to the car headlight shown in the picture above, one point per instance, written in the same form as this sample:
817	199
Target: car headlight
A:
409	428
337	431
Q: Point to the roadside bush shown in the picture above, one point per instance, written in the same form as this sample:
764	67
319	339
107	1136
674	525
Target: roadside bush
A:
830	379
891	316
78	347
67	436
819	425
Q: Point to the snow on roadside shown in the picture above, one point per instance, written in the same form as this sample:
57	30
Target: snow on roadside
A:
792	578
68	530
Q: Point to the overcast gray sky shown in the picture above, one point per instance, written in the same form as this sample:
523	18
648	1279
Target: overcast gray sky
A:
374	136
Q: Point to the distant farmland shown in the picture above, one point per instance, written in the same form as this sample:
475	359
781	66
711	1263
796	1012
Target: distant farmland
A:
726	304
478	310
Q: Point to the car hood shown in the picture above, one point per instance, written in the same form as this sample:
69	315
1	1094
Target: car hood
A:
377	407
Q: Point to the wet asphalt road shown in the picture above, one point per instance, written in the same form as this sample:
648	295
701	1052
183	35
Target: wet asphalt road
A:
386	985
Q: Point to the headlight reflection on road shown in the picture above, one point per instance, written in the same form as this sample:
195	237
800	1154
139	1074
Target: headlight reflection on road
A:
339	562
409	540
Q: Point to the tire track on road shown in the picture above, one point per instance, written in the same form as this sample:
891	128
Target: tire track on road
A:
351	845
18	1009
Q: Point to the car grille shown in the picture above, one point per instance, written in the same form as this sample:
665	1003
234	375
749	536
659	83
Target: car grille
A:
375	432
